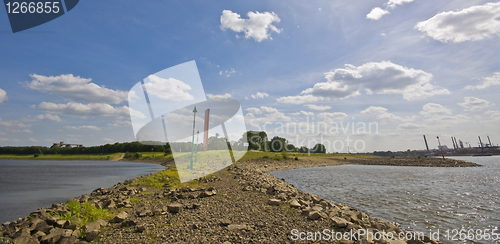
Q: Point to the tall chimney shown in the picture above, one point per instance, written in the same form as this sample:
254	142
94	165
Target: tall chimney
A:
427	146
207	124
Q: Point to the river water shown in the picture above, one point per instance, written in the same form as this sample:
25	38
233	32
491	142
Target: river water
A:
425	199
27	185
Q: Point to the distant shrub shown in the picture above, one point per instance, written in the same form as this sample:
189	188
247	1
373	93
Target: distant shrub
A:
278	158
265	156
296	158
418	157
345	158
132	155
392	156
36	155
284	154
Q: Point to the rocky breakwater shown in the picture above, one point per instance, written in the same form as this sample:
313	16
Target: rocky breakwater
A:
412	161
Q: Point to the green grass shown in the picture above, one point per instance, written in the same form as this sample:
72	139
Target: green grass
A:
62	156
169	176
84	213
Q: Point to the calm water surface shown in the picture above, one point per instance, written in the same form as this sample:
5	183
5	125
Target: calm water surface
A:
26	185
419	198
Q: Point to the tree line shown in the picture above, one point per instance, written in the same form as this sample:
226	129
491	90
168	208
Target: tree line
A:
253	140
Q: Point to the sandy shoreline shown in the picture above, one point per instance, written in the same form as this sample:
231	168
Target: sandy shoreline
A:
241	203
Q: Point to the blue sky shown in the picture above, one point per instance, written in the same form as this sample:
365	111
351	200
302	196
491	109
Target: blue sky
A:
410	67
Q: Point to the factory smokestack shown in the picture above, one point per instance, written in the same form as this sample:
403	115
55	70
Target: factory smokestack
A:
427	146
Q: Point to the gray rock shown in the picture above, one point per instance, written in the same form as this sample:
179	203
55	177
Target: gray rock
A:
274	202
313	215
129	222
67	240
315	198
91	235
52	237
317	208
76	233
24	237
92	226
233	227
305	211
61	223
52	220
119	217
225	222
339	222
67	233
140	228
295	204
40	225
174	207
38	235
145	212
102	222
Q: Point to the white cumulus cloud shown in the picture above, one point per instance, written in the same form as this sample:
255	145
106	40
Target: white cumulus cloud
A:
299	99
258	26
76	88
394	3
91	109
471	24
318	107
211	96
474	104
409	126
52	117
3	96
267	115
376	13
374	77
435	110
260	95
493	80
330	117
168	89
382	114
82	127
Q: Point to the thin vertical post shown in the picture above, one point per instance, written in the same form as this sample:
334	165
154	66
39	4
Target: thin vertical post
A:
192	143
440	147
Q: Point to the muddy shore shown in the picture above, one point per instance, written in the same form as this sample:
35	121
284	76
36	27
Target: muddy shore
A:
239	204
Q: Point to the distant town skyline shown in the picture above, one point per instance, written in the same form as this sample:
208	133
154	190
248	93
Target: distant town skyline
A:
377	73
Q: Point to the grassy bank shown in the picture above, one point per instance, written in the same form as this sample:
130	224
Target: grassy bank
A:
160	156
62	156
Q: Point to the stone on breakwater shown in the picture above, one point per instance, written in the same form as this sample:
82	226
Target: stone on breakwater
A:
119	217
40	225
274	202
295	204
52	237
92	229
174	208
340	222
